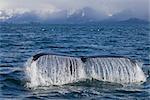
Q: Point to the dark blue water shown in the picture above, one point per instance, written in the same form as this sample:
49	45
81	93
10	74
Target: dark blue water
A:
20	42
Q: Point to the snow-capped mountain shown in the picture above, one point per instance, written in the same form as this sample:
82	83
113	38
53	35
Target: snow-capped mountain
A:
128	14
84	15
78	16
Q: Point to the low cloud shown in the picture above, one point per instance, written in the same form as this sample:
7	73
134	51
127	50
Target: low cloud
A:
139	8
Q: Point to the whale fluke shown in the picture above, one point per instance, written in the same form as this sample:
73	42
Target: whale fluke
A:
50	69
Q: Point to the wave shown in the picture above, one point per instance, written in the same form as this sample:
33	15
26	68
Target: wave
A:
47	69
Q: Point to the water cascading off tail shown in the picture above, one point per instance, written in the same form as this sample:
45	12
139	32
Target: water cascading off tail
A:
54	70
115	69
45	70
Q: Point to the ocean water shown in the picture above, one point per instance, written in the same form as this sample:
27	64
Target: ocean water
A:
20	42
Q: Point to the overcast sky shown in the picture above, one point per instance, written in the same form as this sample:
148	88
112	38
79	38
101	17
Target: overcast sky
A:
107	6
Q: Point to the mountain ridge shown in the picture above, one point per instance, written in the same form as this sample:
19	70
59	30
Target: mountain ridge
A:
84	15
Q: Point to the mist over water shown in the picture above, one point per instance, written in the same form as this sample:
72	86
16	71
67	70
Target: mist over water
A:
22	41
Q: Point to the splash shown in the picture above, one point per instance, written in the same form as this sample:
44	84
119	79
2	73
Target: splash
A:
55	70
119	70
45	70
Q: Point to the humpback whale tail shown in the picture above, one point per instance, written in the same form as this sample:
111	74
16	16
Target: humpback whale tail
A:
47	69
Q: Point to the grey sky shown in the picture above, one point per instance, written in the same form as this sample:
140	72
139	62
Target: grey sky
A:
107	6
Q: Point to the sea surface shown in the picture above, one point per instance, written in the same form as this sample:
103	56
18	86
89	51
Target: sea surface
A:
20	42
